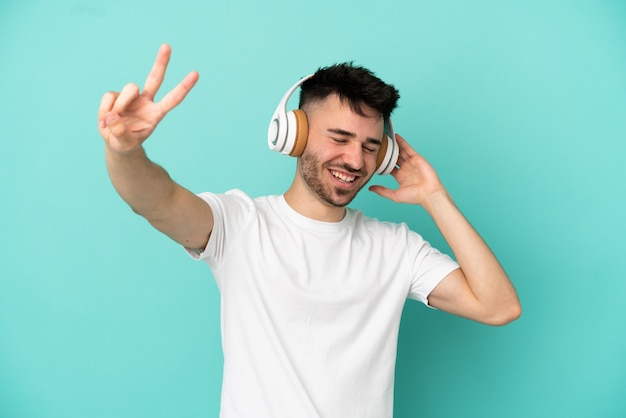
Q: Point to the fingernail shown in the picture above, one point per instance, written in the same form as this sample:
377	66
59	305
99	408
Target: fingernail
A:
110	118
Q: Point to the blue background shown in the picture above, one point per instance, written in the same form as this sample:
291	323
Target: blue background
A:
519	105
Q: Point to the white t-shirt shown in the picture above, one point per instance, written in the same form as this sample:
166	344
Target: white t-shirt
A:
310	310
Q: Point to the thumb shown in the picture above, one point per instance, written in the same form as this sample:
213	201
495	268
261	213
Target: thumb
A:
114	123
115	132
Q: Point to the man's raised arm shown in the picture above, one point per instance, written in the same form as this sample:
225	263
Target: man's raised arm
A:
125	120
480	290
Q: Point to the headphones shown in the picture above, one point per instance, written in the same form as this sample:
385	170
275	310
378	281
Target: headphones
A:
289	130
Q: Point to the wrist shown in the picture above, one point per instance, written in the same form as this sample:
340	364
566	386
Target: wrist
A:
437	201
126	163
131	153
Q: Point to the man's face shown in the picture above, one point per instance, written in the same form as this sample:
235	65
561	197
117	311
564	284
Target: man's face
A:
340	155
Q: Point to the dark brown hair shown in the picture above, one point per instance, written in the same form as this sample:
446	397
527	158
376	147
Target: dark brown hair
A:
355	84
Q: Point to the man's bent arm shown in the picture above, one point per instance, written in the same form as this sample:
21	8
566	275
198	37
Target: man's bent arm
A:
480	289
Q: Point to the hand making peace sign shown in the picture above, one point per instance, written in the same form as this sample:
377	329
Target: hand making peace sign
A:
127	118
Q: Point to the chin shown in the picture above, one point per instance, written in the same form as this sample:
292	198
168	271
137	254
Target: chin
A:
342	199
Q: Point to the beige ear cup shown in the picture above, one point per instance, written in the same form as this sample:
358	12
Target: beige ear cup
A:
382	151
302	133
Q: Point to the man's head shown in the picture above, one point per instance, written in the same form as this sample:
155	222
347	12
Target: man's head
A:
346	107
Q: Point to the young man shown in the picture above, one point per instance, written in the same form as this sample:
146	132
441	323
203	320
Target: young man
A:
312	292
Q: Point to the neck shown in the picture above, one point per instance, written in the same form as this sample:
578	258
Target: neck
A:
306	203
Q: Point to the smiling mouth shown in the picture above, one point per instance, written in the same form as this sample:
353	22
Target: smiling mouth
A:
342	177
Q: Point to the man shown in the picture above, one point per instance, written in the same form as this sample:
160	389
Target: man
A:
311	291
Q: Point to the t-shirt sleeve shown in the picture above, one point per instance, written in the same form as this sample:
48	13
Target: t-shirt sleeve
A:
430	267
231	211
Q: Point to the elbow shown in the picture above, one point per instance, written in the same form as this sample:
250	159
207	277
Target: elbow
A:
507	315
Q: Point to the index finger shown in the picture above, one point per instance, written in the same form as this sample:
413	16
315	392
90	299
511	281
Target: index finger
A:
157	73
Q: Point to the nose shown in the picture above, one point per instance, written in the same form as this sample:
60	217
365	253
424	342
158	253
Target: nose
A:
353	155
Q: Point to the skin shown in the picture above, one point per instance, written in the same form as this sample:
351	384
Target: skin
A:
480	289
125	120
342	146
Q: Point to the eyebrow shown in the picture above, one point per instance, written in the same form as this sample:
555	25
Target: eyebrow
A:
343	132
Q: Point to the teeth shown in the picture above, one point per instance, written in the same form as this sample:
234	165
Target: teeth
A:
343	177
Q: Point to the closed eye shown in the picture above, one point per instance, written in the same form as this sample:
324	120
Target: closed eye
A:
340	136
339	140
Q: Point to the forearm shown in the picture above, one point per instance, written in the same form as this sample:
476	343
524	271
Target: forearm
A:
144	185
494	293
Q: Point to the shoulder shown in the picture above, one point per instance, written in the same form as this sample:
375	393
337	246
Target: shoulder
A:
393	234
236	198
235	208
376	225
